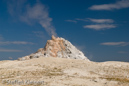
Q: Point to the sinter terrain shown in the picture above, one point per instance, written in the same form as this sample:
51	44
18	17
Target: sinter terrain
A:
60	63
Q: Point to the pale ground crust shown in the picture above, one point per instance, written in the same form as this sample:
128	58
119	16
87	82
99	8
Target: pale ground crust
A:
65	72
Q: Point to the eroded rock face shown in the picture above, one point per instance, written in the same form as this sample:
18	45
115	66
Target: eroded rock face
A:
57	47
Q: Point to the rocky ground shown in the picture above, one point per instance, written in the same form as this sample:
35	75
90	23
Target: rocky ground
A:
63	72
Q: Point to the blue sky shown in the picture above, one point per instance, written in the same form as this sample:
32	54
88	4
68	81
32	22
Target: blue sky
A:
97	27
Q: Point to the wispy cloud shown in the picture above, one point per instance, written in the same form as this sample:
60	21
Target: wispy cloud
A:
115	43
100	26
91	20
39	34
74	21
101	20
14	42
37	13
10	57
1	38
10	50
118	5
122	52
78	19
15	7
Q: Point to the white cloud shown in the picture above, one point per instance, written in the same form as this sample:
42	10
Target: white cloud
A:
115	43
32	14
118	5
15	42
10	50
71	21
100	26
101	20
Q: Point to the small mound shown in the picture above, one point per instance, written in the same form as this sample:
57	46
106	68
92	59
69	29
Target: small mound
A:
57	47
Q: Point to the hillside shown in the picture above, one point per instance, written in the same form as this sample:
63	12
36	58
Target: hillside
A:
64	72
57	47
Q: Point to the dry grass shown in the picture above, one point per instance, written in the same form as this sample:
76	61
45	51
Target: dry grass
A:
66	72
122	80
118	79
37	74
6	73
